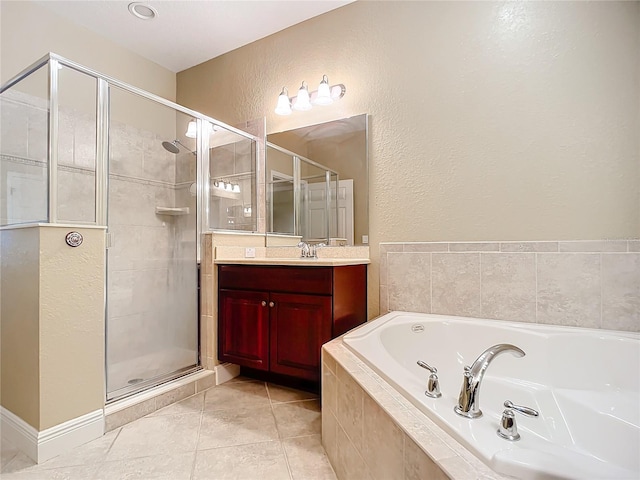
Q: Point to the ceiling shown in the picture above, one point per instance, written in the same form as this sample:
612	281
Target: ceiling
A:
188	32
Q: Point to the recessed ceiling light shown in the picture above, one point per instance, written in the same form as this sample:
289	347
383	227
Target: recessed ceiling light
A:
142	11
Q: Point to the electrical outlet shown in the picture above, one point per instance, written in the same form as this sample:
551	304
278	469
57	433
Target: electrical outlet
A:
365	239
250	252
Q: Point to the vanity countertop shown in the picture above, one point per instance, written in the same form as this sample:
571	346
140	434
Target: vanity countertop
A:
304	262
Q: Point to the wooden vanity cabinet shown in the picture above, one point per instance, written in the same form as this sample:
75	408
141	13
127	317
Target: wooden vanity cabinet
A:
276	318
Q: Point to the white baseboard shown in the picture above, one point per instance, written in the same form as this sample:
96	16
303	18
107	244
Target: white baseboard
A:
226	372
49	443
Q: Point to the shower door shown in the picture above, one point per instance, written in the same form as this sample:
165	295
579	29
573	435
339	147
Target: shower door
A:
152	297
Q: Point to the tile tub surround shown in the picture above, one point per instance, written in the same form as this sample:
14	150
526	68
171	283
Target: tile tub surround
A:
243	429
371	432
592	284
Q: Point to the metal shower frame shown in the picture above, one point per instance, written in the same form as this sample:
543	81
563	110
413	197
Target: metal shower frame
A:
102	138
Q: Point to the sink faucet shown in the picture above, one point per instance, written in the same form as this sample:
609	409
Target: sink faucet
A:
308	250
469	399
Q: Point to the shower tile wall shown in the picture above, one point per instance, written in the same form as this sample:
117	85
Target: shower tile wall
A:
592	284
23	158
152	261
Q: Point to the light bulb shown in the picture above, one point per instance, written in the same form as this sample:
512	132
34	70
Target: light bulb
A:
191	129
302	100
284	105
236	188
324	92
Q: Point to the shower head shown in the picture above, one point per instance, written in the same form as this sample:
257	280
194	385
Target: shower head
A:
172	147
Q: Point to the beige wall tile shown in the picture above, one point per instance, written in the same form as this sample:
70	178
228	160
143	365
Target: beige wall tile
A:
384	299
383	443
509	286
455	285
634	245
529	247
350	465
390	247
474	247
329	390
349	414
175	395
129	414
418	465
426	247
384	269
621	291
329	436
593	246
409	282
569	289
206	383
328	359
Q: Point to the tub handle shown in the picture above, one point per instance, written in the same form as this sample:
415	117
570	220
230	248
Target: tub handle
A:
508	428
433	387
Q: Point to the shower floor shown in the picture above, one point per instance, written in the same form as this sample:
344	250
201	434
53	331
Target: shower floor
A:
122	377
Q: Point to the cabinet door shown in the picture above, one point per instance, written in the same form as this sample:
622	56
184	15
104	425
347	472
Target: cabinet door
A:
243	328
300	324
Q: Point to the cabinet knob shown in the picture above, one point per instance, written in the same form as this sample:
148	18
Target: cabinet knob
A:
271	304
264	304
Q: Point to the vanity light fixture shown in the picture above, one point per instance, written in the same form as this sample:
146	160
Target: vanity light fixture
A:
284	104
192	132
302	102
226	186
325	95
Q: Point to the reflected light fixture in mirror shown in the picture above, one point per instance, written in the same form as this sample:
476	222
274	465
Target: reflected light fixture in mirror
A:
325	95
192	132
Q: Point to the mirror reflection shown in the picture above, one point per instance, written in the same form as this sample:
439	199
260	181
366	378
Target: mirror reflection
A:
330	162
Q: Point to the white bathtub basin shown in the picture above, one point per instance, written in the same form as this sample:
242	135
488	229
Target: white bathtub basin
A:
585	383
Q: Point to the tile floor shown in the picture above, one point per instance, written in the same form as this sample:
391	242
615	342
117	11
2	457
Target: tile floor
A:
240	430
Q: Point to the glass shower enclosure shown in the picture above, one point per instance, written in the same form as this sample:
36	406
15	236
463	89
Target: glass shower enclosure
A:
79	147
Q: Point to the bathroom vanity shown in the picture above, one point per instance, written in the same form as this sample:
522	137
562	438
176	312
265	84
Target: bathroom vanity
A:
275	317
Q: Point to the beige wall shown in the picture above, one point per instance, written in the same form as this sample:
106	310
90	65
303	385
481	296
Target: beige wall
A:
19	322
71	325
30	31
52	321
489	121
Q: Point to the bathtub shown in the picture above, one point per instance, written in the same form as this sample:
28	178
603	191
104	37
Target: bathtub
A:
585	384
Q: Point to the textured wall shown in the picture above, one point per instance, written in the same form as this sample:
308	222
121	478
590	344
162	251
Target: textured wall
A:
489	121
19	316
72	329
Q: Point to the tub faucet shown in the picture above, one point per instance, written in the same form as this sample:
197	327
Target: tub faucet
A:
469	399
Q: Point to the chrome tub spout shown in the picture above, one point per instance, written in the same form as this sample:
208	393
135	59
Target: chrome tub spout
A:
469	398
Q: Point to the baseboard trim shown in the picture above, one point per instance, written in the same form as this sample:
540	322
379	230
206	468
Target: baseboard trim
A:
225	372
40	446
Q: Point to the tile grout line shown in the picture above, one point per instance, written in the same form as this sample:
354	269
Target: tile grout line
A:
280	439
195	453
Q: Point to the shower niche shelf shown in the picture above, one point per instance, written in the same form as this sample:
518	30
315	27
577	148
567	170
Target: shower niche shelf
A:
172	211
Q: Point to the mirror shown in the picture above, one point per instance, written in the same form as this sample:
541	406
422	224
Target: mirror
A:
339	147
